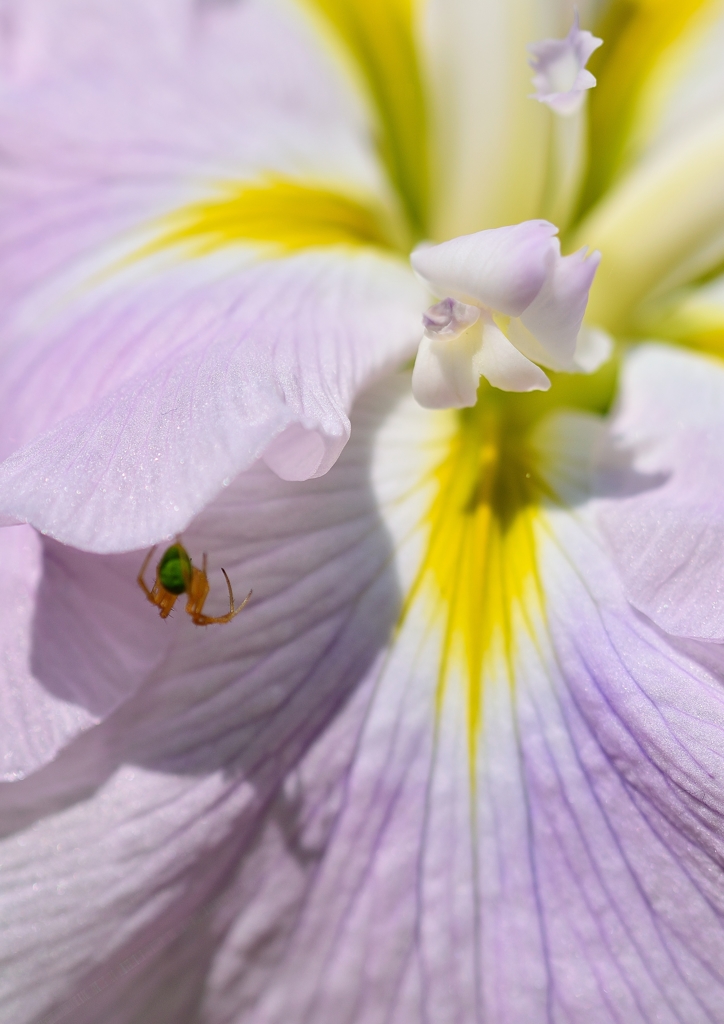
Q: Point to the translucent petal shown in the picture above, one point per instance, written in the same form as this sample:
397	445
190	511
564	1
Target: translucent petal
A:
502	268
504	366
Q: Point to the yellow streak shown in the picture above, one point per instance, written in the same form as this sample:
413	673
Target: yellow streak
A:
636	34
659	228
379	36
480	564
690	317
282	215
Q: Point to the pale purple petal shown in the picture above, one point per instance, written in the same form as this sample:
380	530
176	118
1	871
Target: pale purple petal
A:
113	369
75	643
666	472
211	792
502	268
555	315
174	99
34	721
155	886
588	851
296	835
581	856
94	643
561	79
155	396
171	89
116	877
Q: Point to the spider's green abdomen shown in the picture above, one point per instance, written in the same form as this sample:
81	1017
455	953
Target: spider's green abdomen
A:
174	569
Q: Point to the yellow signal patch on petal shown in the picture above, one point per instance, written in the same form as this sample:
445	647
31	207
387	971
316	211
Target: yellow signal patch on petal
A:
281	215
636	35
480	570
379	37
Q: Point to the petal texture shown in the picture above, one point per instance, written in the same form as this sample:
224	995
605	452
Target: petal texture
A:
167	389
122	346
322	828
197	800
582	842
665	524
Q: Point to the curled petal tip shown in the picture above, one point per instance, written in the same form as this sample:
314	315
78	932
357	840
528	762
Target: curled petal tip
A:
561	78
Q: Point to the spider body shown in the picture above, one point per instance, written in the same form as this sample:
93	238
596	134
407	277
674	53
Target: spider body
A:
175	575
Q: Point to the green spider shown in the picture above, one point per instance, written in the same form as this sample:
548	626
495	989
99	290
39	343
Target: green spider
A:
175	575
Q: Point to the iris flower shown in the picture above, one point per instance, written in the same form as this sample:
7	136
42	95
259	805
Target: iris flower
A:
459	759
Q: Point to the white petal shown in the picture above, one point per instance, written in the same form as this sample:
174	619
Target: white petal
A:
504	366
502	268
444	376
556	313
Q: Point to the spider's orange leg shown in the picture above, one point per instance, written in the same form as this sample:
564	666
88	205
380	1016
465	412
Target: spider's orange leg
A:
196	603
197	590
142	573
165	601
232	610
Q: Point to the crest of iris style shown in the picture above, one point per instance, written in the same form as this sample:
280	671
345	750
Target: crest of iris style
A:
561	78
410	317
513	303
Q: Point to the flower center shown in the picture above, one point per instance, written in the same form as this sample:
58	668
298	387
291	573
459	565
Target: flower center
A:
513	305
